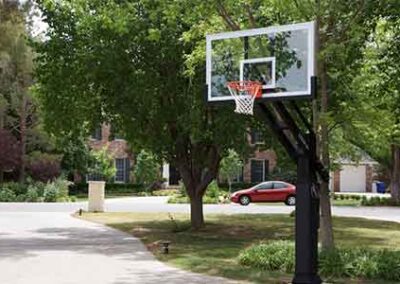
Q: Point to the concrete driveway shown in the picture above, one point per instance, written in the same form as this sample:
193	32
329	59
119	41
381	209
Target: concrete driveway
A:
55	248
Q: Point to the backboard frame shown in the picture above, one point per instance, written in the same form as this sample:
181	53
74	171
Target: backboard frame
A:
285	95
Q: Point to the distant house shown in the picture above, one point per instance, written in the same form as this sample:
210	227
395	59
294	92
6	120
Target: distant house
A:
354	176
260	164
118	148
256	168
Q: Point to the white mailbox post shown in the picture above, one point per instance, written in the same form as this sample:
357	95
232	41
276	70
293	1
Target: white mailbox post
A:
96	196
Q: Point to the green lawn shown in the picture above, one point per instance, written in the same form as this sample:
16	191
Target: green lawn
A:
337	202
214	249
84	197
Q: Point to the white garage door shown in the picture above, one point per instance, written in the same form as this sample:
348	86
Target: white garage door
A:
352	179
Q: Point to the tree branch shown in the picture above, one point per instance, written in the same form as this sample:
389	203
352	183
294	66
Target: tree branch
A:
226	17
252	20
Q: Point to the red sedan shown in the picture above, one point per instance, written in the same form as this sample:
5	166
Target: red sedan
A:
269	191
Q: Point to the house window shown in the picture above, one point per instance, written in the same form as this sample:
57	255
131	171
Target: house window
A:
122	174
256	137
97	133
259	170
115	134
239	176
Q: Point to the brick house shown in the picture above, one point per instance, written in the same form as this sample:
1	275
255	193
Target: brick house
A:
118	148
256	168
260	164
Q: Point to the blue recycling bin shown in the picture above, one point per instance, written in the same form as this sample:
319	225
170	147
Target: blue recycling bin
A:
380	187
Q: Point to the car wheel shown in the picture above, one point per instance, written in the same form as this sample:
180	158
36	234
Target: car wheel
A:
291	200
244	200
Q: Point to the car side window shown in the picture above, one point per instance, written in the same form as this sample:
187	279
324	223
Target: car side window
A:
278	185
263	186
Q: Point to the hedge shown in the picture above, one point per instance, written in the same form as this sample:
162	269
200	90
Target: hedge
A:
82	188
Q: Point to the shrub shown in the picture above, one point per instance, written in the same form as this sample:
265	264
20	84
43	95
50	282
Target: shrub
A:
111	188
332	263
165	192
147	169
349	262
213	190
32	194
277	255
378	201
389	265
102	164
44	167
50	193
20	198
177	199
7	195
62	186
213	195
17	188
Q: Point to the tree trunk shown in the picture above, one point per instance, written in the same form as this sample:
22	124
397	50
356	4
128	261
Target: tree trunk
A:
22	140
322	133
196	212
395	173
327	241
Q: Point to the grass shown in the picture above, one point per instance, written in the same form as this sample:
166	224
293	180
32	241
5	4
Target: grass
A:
84	197
346	202
214	249
337	202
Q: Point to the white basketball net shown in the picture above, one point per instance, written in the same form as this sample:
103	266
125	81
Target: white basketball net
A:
244	93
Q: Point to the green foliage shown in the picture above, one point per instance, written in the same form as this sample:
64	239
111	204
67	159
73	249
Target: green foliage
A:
32	194
102	164
62	186
17	188
230	166
379	201
165	192
349	262
278	255
147	168
7	195
213	195
50	193
289	176
111	188
336	196
89	70
76	155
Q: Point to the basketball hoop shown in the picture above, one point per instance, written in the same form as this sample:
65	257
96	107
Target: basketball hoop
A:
244	93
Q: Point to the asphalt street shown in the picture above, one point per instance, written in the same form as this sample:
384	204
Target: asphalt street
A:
159	204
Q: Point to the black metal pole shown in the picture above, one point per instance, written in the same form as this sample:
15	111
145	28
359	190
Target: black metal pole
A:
306	227
307	212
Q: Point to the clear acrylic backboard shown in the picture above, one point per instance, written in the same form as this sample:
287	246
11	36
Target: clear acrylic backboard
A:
282	58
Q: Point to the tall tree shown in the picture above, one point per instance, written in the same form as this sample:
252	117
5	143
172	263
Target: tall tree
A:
9	154
374	112
341	32
16	75
127	62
